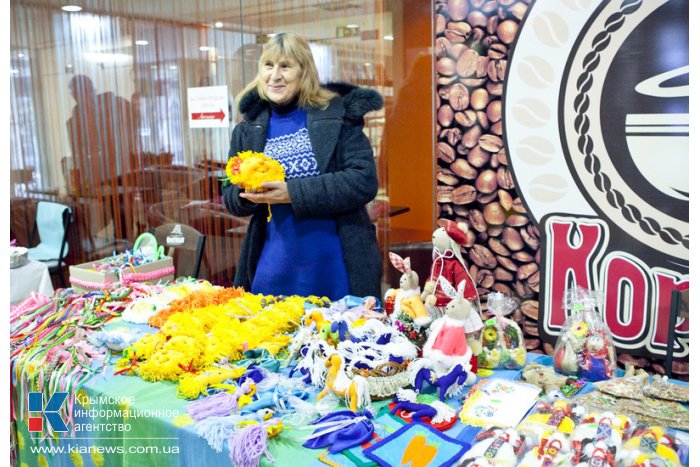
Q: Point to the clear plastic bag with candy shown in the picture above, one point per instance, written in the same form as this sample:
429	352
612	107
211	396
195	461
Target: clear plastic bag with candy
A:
598	437
655	446
501	338
585	346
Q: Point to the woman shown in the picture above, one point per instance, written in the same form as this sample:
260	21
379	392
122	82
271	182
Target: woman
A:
320	240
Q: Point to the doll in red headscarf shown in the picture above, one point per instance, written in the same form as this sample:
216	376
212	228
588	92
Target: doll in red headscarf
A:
448	263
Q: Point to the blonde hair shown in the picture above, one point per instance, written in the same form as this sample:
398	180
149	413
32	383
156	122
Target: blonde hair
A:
289	44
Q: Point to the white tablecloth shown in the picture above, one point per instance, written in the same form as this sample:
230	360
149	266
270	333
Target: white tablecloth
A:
32	277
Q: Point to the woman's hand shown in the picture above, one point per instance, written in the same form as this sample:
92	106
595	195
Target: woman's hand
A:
274	193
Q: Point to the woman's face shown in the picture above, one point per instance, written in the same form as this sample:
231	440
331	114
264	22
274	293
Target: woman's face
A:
281	79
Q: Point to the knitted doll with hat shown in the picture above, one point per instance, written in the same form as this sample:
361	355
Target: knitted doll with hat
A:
449	264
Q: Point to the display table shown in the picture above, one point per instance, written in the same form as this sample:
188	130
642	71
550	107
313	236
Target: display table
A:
150	435
32	277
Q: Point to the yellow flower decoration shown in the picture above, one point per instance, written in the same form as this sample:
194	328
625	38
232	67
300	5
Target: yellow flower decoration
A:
490	334
580	329
250	169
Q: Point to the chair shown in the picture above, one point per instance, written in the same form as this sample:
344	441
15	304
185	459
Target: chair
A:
52	222
184	244
680	301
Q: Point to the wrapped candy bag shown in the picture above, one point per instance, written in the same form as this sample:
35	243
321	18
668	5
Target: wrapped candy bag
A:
559	415
653	446
501	338
598	439
585	346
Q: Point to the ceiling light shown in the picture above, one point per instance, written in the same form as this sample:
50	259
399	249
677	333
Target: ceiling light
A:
154	67
219	24
141	42
20	55
71	8
173	67
272	34
14	71
389	37
204	48
352	26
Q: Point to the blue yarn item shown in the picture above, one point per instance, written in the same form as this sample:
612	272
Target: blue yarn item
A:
346	437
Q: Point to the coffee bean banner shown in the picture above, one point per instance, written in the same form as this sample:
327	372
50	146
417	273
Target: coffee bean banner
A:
474	40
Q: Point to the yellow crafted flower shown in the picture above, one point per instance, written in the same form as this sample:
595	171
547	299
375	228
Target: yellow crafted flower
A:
250	169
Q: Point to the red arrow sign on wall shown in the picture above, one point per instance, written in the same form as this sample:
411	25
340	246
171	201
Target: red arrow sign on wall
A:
209	115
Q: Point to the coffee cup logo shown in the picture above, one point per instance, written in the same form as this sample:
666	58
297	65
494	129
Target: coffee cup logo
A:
597	139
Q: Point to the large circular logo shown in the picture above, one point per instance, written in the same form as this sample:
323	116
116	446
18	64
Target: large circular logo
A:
624	119
596	118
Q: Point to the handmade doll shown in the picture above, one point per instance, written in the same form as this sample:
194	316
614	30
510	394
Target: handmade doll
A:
494	446
585	346
355	391
553	449
406	299
447	357
595	361
649	446
546	418
447	343
598	439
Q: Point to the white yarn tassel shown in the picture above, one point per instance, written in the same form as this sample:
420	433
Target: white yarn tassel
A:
444	412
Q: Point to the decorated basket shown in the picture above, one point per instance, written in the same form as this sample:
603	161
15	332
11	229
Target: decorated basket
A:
386	379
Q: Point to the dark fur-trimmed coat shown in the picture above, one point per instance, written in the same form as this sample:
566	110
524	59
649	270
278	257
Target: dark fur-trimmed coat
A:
348	181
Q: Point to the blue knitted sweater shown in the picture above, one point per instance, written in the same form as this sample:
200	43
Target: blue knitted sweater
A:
300	256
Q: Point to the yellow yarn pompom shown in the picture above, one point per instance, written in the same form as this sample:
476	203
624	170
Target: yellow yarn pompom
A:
76	458
192	385
97	458
250	169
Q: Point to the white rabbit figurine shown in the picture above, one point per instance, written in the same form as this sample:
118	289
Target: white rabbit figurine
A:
447	343
407	297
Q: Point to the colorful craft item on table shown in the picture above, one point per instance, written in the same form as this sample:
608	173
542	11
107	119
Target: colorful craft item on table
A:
407	298
449	384
501	338
416	445
553	449
405	325
340	430
585	346
447	343
545	418
649	446
449	264
598	439
249	443
222	403
551	383
196	300
195	340
499	402
250	169
192	385
662	388
423	408
154	298
354	391
52	347
646	410
384	425
493	446
117	338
